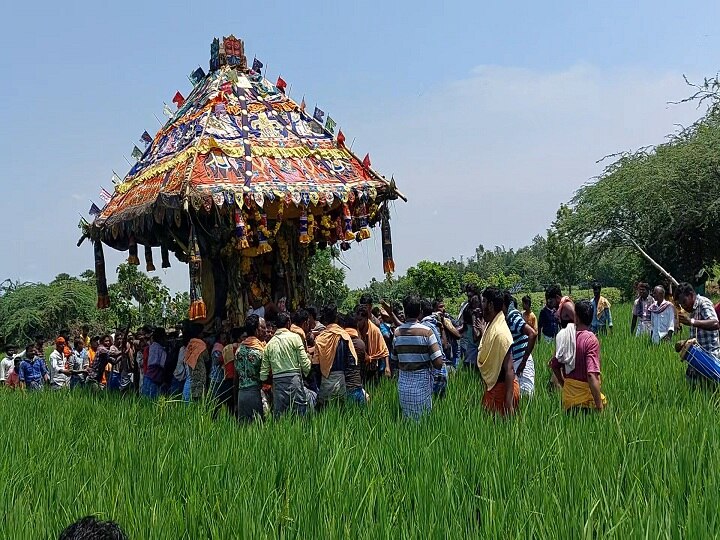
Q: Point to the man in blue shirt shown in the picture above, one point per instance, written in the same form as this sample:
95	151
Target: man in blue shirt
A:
524	338
33	371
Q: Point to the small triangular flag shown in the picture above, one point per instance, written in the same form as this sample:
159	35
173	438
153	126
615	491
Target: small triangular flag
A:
341	138
281	84
178	99
302	104
145	137
366	161
136	153
167	111
94	209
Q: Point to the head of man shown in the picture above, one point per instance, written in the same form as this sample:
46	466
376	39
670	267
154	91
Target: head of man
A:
60	344
643	290
471	290
94	342
553	295
583	314
596	287
508	301
30	351
118	339
412	307
329	314
350	321
301	318
685	295
659	294
236	334
106	341
491	302
312	316
439	306
283	321
255	326
79	344
526	303
10	350
367	301
85	330
91	527
425	308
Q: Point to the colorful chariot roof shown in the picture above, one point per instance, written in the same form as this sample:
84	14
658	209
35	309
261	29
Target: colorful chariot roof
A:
237	136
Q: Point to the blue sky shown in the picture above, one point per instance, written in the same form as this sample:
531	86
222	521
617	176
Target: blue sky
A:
489	115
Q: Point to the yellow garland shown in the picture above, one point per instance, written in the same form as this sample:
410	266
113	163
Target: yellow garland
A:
269	233
284	249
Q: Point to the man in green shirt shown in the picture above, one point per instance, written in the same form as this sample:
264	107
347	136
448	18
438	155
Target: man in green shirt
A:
285	355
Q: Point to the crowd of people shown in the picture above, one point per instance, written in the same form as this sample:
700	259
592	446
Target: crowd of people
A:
281	362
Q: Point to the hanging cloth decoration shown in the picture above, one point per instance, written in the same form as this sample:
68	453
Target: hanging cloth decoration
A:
242	241
263	246
349	236
197	305
165	254
304	236
133	252
103	298
388	262
149	264
364	232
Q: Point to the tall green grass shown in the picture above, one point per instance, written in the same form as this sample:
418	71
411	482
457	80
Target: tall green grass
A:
647	467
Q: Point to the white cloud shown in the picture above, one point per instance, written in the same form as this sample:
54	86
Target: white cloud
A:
488	160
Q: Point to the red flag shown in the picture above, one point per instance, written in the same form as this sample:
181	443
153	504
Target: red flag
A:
366	161
341	138
178	99
281	84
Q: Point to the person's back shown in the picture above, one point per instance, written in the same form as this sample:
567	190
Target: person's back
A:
581	380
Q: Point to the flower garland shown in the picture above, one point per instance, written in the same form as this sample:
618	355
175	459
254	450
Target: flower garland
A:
349	236
284	249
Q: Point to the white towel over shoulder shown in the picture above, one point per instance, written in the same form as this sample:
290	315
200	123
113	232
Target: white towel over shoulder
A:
565	347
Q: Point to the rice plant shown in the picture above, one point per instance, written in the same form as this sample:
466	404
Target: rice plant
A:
646	467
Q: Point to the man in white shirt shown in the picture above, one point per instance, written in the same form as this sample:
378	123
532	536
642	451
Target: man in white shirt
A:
59	374
662	316
7	364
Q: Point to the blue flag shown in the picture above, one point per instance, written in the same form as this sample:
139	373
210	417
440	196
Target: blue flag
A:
94	210
145	137
197	76
257	65
319	115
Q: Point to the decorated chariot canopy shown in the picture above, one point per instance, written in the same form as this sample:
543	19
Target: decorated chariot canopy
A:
244	185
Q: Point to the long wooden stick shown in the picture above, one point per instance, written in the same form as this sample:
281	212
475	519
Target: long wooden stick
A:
649	258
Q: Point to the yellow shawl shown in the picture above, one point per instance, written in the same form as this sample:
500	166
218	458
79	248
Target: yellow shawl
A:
494	345
326	345
602	304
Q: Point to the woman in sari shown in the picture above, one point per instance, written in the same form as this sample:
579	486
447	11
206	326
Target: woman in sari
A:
196	356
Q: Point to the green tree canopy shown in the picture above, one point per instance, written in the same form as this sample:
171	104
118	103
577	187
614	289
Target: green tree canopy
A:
667	198
433	280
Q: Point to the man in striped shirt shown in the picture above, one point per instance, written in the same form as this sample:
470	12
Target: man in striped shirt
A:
524	338
417	351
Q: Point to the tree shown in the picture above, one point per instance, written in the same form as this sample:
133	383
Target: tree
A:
433	280
138	299
326	281
666	198
565	251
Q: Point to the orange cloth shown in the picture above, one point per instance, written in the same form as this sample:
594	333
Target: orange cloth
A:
326	345
531	319
254	343
376	346
494	399
193	351
295	329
